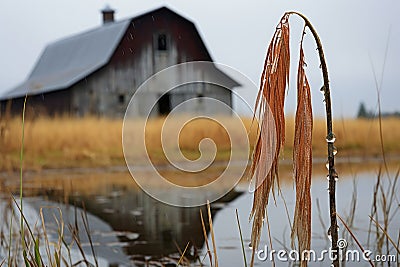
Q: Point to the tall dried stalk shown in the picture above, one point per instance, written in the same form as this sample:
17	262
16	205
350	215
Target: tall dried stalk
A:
270	101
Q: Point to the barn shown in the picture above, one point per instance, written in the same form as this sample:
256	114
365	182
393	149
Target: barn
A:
97	71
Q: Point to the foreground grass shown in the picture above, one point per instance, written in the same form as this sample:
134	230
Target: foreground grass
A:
96	142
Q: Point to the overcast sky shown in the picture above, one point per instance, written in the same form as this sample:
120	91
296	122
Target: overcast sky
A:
354	34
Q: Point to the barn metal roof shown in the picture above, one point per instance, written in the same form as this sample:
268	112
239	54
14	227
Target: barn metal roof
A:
70	60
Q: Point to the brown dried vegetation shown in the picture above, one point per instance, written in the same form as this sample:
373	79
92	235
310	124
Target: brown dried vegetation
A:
270	102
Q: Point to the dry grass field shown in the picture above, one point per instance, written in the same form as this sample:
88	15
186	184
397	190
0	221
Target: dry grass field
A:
89	142
354	137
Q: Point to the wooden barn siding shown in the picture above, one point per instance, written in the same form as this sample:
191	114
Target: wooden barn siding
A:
136	59
143	29
202	106
136	56
51	104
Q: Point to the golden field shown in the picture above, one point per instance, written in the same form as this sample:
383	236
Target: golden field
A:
354	137
94	142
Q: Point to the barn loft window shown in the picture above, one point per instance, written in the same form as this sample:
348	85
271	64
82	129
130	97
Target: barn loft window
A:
164	104
162	42
121	99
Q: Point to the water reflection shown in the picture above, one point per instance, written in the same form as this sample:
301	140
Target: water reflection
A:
126	225
154	229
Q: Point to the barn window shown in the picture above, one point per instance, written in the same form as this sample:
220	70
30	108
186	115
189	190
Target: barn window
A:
121	98
162	42
164	104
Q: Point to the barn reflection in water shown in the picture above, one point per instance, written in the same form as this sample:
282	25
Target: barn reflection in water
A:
156	229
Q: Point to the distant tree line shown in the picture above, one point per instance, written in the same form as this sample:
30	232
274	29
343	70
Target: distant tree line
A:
363	113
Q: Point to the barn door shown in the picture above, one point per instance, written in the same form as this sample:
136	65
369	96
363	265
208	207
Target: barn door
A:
164	104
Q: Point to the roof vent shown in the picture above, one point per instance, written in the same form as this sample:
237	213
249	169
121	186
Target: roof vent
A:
108	14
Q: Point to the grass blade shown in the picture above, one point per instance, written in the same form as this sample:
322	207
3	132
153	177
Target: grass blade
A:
354	237
183	254
206	237
10	240
25	256
212	234
21	161
45	236
87	230
38	258
57	258
386	234
241	238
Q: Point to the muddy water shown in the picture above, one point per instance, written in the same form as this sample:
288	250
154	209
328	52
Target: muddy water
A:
127	227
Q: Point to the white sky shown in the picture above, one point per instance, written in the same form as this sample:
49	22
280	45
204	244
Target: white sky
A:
354	34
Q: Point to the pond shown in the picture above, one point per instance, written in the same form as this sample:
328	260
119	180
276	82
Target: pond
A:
129	228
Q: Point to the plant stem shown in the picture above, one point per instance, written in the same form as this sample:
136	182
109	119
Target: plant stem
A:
241	238
332	172
20	171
